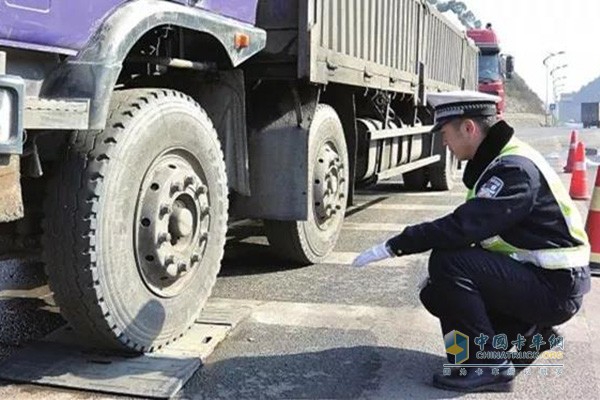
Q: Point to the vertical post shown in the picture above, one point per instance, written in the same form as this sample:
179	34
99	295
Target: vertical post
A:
547	83
2	63
546	104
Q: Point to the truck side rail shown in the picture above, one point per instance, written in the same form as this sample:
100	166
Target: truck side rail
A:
445	42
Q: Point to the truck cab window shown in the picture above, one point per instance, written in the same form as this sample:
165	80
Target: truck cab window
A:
489	67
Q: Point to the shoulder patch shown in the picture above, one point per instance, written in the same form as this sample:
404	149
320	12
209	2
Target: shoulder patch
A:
491	188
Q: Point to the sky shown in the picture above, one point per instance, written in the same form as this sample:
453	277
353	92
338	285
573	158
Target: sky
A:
530	30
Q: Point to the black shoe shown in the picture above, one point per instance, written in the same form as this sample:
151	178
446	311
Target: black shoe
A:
472	382
546	332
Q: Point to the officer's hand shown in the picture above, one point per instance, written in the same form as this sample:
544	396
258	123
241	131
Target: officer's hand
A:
376	253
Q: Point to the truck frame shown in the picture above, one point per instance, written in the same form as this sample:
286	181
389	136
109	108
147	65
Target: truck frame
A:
138	132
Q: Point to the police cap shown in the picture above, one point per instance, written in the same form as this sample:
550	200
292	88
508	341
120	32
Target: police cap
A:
461	104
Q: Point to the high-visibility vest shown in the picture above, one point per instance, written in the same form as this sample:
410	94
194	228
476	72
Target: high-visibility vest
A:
551	258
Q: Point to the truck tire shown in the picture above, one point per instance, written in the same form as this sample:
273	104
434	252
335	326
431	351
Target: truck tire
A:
136	218
416	180
442	175
309	241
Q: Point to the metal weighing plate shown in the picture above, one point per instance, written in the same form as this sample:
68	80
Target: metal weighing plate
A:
59	360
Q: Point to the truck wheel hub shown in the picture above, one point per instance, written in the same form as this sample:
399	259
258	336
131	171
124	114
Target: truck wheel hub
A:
181	222
328	184
172	224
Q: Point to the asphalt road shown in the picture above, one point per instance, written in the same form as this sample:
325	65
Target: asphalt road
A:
329	330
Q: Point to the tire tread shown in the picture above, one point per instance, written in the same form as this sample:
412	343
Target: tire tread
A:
71	220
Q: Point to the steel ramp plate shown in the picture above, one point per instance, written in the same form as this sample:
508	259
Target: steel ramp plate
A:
61	360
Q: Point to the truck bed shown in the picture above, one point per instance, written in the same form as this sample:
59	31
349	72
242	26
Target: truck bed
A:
367	43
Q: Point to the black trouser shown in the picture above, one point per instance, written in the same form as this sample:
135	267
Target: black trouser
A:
477	291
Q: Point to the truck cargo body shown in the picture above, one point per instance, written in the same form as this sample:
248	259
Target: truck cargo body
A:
375	44
590	114
140	128
365	48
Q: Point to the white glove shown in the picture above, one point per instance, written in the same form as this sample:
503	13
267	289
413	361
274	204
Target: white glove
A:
375	253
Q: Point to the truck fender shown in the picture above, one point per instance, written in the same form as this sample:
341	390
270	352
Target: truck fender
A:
93	72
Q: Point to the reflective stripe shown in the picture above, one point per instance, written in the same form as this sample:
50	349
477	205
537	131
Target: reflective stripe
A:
579	166
547	258
498	245
571	257
470	193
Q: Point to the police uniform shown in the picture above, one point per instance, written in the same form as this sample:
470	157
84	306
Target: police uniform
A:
515	254
514	257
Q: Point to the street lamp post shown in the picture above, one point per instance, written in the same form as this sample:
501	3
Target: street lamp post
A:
558	90
557	68
555	89
558	82
558	86
560	78
546	60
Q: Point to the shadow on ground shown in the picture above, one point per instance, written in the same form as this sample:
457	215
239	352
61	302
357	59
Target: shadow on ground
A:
340	373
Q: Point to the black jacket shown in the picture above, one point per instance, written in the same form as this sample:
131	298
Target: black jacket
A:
513	201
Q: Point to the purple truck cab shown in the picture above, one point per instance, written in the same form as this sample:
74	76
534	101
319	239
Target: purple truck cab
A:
66	26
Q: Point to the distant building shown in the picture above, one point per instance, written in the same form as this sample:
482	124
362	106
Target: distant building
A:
569	106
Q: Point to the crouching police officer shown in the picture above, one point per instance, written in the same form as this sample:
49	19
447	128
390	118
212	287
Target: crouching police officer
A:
513	259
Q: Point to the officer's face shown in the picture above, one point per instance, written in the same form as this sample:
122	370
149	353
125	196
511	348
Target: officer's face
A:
462	137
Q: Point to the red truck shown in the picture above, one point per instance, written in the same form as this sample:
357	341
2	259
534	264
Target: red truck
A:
491	64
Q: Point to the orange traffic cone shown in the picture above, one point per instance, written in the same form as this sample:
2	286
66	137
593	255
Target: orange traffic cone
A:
579	186
592	227
571	156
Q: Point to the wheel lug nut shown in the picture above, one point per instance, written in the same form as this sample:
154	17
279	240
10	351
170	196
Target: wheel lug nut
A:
201	190
172	270
165	209
189	180
176	187
194	260
182	267
338	207
164	238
